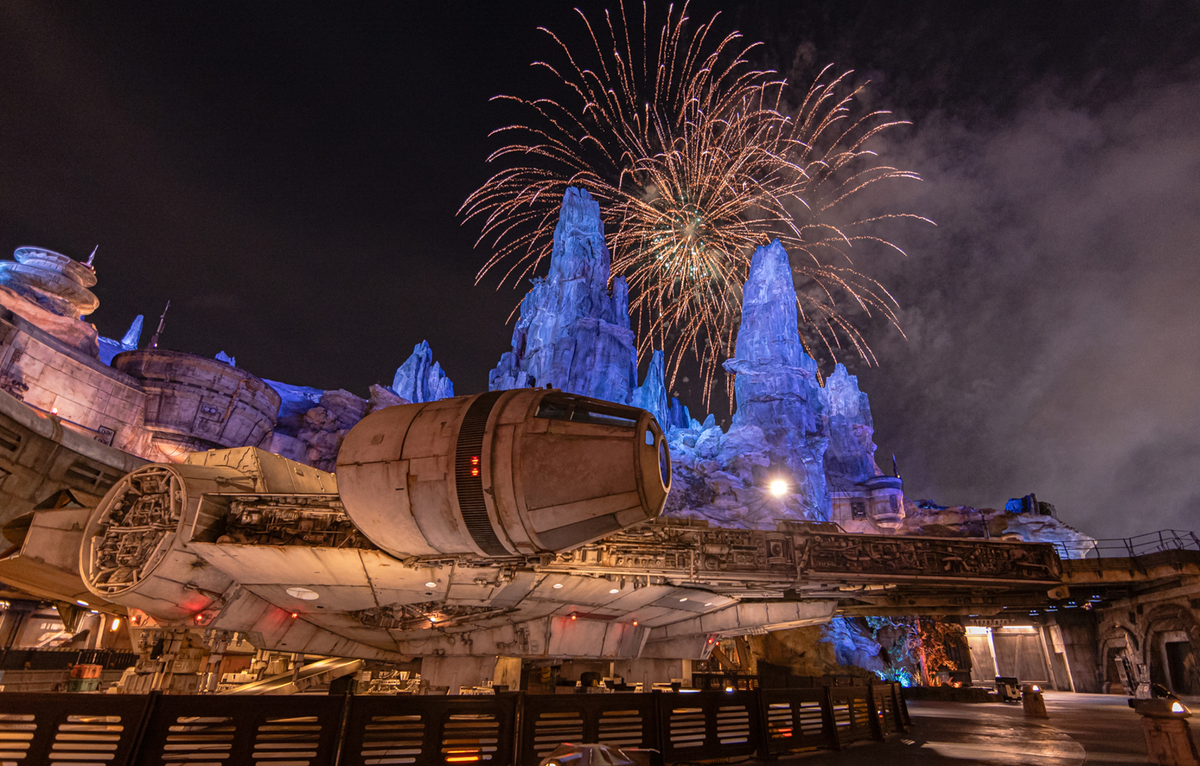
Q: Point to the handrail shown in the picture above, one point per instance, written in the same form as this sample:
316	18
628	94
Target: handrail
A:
1128	547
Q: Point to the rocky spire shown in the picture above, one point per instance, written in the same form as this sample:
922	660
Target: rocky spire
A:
573	333
775	387
850	458
133	335
652	396
420	379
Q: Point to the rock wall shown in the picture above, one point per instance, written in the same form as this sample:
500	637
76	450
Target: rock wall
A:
573	332
780	429
850	458
420	379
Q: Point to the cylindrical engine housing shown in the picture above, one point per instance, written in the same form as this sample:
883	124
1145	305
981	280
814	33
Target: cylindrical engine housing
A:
504	473
133	550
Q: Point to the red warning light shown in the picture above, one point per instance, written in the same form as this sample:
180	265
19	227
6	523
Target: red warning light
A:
475	465
574	617
200	617
295	615
475	461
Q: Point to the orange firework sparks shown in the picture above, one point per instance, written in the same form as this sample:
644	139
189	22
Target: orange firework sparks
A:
696	160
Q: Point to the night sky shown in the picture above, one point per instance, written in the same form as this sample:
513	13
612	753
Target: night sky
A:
288	175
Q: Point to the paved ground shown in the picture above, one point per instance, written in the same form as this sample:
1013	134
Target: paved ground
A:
1082	728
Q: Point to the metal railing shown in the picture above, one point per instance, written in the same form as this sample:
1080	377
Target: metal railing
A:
501	730
1128	547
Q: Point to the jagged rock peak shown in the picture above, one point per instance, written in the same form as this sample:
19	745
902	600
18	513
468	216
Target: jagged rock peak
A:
850	458
573	333
770	331
420	379
579	249
775	386
843	397
133	336
652	396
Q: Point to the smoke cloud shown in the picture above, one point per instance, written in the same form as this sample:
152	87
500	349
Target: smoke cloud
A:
1052	317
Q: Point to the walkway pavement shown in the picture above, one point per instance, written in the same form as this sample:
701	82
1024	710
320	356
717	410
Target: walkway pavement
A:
1082	728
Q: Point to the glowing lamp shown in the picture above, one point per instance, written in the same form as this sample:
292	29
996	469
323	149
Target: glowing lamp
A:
614	590
116	624
557	585
430	585
295	615
778	487
1176	707
574	617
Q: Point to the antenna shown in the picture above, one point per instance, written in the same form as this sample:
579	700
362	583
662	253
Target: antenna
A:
92	257
895	470
162	320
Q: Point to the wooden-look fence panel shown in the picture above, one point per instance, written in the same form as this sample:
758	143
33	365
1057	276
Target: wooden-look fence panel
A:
304	731
502	730
431	731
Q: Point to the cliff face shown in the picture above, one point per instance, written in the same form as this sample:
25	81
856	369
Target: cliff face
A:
573	333
850	457
420	379
780	428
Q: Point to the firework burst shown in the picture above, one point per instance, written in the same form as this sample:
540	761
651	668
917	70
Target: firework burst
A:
696	159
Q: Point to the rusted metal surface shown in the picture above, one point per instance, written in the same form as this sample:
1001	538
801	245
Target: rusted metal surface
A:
784	558
39	456
502	474
196	403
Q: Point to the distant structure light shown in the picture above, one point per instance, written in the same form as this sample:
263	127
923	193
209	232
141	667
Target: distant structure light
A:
778	487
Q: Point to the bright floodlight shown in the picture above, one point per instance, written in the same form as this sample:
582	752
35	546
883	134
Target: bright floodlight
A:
779	487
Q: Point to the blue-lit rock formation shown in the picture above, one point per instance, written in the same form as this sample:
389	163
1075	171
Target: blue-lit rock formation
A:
420	379
850	458
779	430
652	396
776	386
109	347
573	333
